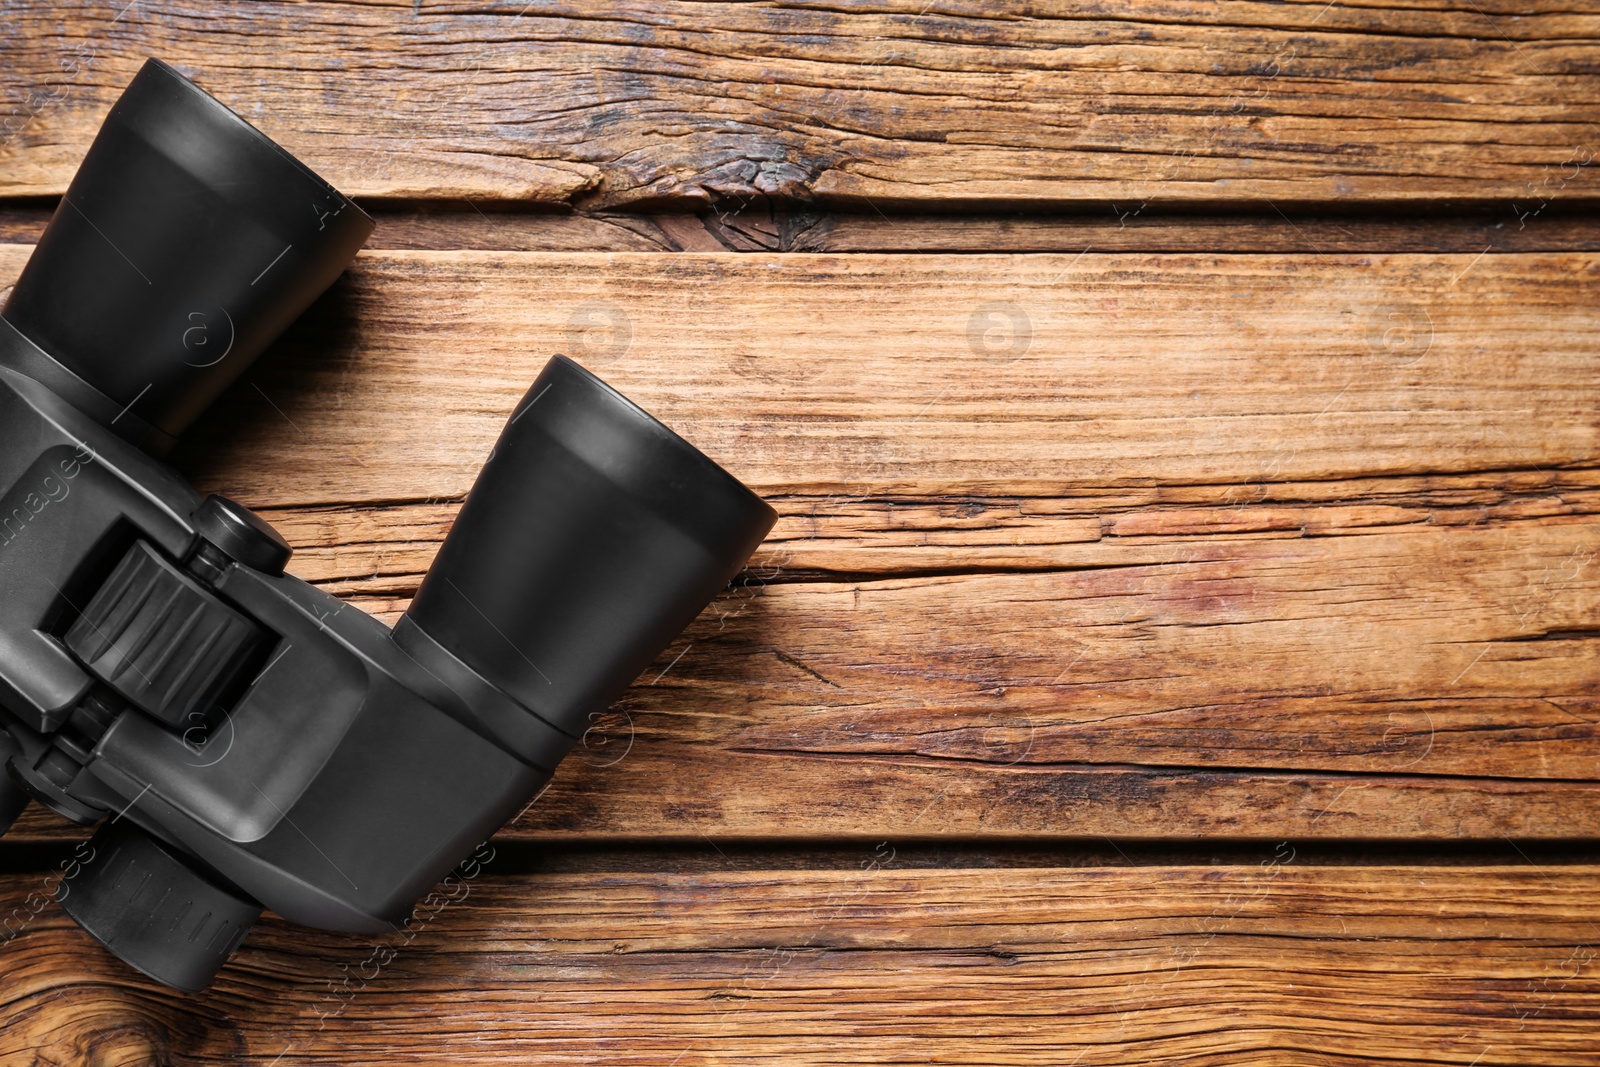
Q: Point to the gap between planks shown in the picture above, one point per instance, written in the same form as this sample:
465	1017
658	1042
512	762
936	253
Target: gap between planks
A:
764	225
715	853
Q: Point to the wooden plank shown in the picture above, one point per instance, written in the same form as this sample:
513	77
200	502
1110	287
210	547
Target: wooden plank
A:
631	102
1261	964
909	376
1207	558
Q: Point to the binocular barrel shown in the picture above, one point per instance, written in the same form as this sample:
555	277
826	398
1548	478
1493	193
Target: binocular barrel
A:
185	244
591	538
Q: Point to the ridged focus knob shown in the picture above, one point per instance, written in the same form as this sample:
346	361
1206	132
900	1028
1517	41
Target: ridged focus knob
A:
163	641
156	912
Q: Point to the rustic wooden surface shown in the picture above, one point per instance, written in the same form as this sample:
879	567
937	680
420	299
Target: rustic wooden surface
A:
1259	964
905	101
1183	423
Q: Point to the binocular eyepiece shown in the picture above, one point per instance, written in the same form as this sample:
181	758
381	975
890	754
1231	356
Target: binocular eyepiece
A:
244	739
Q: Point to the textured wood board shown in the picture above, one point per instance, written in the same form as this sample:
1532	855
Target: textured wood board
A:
1268	963
628	102
1213	554
939	376
945	376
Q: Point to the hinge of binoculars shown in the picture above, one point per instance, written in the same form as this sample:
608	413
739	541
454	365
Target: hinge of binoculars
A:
156	637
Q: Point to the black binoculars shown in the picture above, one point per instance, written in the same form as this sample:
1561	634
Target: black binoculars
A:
245	740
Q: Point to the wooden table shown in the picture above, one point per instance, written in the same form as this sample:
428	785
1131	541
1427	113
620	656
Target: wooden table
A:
1179	641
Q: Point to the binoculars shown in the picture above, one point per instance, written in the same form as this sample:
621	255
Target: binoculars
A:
244	740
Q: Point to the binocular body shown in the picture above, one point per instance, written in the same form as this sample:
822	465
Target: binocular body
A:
245	740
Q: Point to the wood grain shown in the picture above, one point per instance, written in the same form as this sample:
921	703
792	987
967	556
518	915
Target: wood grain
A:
1184	433
939	375
1269	963
877	376
899	102
1209	557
